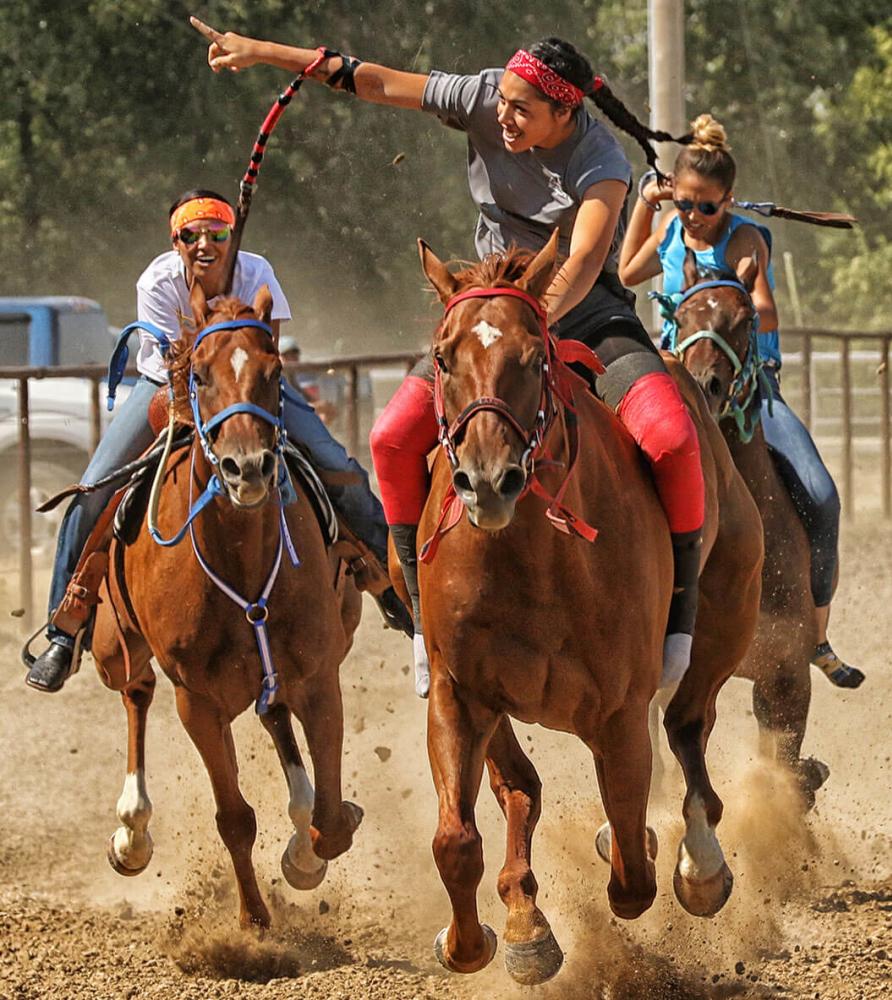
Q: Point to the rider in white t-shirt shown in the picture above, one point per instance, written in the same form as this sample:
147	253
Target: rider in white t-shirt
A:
201	232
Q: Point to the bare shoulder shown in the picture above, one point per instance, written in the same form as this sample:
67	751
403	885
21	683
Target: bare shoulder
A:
745	241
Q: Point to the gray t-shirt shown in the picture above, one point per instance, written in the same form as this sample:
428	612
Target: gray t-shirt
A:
522	197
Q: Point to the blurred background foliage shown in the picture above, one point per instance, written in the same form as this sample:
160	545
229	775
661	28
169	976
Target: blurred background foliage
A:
109	112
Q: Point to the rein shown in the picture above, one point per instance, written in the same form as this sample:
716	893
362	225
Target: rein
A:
749	375
256	612
556	388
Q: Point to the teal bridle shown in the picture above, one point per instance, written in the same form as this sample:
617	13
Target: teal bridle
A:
749	374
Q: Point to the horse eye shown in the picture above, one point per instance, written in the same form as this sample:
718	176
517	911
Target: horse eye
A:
538	362
441	364
197	378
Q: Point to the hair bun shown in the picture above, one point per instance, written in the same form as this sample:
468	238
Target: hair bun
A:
709	134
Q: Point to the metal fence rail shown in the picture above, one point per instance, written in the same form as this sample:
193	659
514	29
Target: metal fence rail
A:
848	378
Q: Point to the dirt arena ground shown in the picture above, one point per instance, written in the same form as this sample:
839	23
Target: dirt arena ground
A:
811	913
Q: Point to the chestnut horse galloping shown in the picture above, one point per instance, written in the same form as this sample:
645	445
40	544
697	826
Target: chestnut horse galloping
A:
159	601
716	342
525	621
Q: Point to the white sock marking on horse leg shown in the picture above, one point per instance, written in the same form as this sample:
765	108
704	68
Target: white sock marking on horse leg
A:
300	809
238	359
132	841
487	333
422	666
699	854
676	657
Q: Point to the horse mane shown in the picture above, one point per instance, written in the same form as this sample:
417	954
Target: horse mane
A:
496	270
180	356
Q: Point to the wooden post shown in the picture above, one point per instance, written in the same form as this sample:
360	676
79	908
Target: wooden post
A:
95	415
353	410
848	502
24	469
885	444
806	380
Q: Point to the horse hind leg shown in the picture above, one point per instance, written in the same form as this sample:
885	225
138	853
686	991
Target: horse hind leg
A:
532	954
130	846
301	866
781	699
212	736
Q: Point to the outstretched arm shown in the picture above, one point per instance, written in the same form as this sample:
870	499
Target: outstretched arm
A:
374	83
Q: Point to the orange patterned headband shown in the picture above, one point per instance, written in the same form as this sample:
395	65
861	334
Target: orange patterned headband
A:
201	208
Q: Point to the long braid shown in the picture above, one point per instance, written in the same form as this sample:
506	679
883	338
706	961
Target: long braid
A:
566	60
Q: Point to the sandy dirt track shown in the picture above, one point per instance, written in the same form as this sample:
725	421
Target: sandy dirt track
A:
811	913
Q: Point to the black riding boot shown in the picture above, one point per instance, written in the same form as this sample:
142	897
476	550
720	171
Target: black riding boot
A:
52	668
404	539
683	609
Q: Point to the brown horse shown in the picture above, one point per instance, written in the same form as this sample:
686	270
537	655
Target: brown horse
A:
778	664
525	621
158	601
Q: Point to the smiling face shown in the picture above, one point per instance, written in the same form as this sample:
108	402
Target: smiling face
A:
205	259
528	119
690	186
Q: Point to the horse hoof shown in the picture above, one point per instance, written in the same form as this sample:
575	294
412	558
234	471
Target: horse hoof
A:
119	865
297	878
604	843
533	962
354	815
704	898
811	775
491	942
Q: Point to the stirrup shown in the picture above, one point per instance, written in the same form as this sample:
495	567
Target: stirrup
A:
29	659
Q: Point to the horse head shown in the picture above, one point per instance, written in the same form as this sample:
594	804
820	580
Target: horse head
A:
229	369
492	387
715	329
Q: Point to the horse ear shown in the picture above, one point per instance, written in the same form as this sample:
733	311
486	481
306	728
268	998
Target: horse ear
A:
537	277
263	304
691	275
200	308
437	273
747	269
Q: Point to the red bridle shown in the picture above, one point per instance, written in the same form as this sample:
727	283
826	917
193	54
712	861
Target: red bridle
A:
556	385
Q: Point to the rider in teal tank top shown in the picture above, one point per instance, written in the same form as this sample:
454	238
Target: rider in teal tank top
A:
672	251
701	192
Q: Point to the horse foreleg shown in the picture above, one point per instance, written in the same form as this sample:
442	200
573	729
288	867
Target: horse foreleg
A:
703	880
781	701
623	762
212	736
301	866
532	954
130	846
458	735
322	716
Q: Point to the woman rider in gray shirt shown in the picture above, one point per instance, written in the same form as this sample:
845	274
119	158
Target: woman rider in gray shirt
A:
537	160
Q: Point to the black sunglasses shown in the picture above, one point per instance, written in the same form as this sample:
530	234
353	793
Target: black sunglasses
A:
703	207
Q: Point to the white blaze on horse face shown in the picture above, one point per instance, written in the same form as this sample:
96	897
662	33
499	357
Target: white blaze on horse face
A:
487	333
238	359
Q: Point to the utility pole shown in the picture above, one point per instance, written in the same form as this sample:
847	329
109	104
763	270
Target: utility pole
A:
665	51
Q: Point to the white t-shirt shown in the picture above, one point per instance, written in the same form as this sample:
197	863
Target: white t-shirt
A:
162	298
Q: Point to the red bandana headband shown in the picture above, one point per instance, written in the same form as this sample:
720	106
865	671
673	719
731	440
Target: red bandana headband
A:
544	79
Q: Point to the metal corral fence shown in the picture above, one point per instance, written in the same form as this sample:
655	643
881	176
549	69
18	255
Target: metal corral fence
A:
837	382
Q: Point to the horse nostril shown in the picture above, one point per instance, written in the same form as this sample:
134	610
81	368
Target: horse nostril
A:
267	464
230	468
511	482
462	482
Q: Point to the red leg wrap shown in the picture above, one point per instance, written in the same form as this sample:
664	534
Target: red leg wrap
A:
656	416
402	438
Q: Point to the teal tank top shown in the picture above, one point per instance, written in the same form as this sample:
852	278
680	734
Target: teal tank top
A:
672	251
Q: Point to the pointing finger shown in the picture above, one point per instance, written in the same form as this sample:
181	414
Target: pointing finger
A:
205	29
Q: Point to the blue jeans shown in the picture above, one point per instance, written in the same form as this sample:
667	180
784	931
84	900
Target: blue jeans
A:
810	485
128	436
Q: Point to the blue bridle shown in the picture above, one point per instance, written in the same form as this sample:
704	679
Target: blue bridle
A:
749	375
256	612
